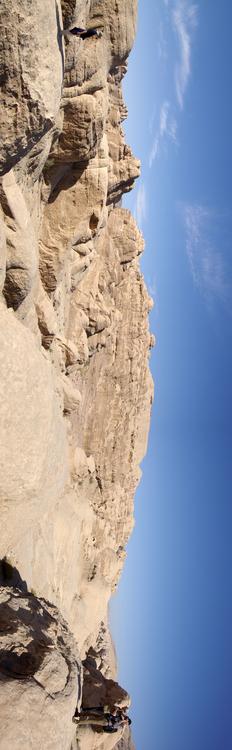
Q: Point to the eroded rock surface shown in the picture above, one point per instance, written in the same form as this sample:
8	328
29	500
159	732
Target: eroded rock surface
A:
76	389
39	674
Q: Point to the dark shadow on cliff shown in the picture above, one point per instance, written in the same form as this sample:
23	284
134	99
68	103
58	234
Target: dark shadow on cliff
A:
24	633
100	691
59	38
10	576
68	8
71	174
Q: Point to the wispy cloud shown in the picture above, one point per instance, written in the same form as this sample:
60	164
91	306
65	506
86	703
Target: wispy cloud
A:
205	259
140	210
168	124
184	21
162	43
172	130
152	287
154	150
164	118
167	128
182	15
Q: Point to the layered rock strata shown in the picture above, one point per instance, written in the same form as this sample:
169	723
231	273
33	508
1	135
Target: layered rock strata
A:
75	384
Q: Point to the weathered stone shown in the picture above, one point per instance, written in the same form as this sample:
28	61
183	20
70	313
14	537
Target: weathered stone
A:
33	453
40	671
76	389
101	691
31	68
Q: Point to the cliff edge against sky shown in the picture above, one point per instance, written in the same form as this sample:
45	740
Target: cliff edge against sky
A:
76	389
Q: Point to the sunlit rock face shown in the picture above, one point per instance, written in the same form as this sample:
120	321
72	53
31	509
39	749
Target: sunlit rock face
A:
76	390
31	69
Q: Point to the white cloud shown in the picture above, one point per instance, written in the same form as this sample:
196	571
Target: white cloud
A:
152	120
168	124
205	260
184	21
162	43
140	210
167	129
183	16
154	150
152	287
172	130
164	118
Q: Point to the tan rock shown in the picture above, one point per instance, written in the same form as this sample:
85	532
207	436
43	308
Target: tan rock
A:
2	254
22	254
101	691
33	453
39	674
32	78
76	390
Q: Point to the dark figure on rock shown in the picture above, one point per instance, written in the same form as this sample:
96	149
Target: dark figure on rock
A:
82	33
100	721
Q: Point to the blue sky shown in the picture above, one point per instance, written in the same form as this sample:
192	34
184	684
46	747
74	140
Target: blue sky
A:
172	616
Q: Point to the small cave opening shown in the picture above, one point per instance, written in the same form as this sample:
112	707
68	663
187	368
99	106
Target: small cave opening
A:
10	576
93	222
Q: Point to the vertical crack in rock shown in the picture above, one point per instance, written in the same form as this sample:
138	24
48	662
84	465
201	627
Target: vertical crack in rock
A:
76	390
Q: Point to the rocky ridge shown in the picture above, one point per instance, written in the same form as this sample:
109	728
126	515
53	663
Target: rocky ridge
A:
76	389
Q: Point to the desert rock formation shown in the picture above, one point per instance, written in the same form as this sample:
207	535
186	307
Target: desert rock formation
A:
76	389
40	672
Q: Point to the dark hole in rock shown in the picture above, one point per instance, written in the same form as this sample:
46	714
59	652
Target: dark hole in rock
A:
10	576
93	222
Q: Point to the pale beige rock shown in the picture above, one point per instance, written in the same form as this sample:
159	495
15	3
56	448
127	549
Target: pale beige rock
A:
124	168
33	452
76	390
126	742
22	253
31	73
127	238
2	253
87	739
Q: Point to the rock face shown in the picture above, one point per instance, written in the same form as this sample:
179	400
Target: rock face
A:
39	674
125	743
75	384
99	690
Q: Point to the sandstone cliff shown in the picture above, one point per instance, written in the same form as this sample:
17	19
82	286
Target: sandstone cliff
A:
40	673
75	383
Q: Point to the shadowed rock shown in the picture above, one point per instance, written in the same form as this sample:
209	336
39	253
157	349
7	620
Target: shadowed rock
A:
40	673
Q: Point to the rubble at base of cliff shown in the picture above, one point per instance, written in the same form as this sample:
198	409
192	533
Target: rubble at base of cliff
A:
76	389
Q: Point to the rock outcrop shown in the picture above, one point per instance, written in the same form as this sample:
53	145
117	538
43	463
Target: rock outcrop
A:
76	389
99	690
39	674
